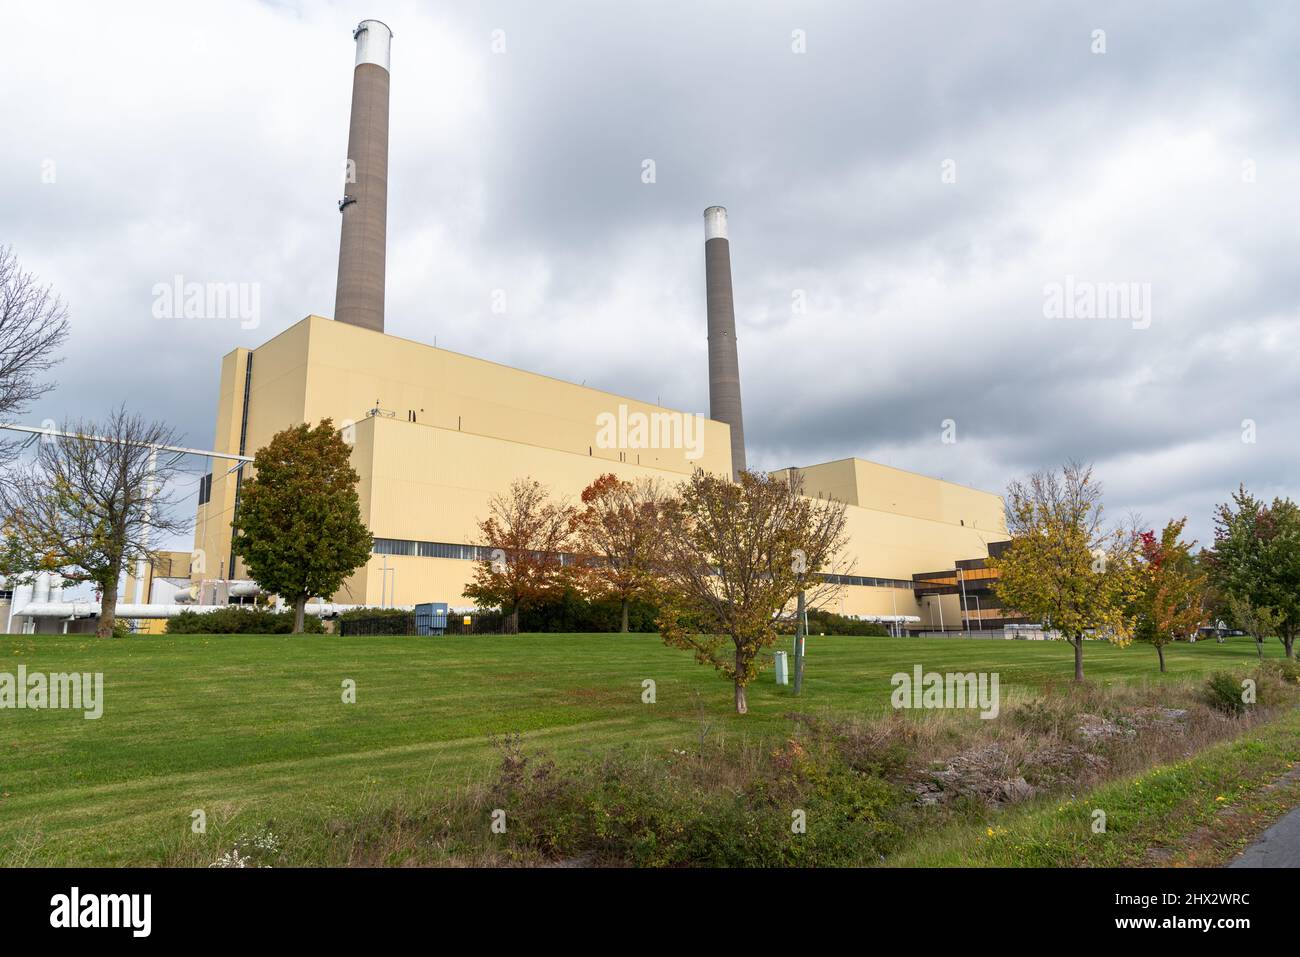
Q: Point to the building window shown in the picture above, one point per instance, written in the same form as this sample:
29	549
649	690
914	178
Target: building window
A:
468	553
472	553
393	546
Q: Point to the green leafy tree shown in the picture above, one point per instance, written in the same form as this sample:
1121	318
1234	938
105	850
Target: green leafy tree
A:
1170	604
299	528
1256	558
734	556
1063	568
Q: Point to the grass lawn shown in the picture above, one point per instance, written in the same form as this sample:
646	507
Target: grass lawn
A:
252	729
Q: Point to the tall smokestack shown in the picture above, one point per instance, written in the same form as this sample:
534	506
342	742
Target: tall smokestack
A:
359	298
724	366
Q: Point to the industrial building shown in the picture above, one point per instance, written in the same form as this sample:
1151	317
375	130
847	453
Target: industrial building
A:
436	434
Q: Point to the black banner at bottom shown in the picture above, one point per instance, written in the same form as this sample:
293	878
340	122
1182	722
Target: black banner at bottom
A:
338	906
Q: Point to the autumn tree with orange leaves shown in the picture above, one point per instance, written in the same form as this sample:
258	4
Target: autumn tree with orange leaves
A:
523	543
617	530
1169	605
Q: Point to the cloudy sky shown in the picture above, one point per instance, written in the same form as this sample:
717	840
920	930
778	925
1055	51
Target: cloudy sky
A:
923	179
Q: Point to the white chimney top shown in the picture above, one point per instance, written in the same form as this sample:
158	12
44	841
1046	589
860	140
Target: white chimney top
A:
374	41
715	223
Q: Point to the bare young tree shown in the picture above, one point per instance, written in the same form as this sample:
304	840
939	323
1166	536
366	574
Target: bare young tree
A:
91	502
735	555
1064	567
1258	621
33	324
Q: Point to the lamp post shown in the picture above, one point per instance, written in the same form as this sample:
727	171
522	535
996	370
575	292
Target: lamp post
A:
965	618
800	636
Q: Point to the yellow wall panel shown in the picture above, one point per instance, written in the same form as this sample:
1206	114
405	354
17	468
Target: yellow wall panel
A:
479	425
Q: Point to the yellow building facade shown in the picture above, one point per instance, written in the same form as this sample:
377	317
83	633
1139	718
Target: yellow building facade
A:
436	434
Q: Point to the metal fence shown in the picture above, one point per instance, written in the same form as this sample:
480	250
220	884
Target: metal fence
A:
377	625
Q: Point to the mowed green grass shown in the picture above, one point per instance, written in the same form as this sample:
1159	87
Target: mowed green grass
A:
252	729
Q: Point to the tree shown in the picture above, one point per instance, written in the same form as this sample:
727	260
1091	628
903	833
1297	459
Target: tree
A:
90	502
1170	604
298	527
1063	567
1256	558
735	555
33	324
617	531
1257	621
523	543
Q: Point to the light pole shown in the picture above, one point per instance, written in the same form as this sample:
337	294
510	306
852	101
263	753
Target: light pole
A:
965	618
800	637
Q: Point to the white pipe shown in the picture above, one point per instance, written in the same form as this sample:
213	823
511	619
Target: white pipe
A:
186	594
32	430
328	610
90	609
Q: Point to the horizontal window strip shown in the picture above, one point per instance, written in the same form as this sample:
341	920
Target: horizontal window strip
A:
473	553
866	582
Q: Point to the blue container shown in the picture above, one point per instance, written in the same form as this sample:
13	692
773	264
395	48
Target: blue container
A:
431	618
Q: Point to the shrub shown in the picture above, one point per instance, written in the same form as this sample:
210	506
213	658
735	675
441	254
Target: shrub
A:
1284	669
822	622
1039	717
570	611
1223	691
239	620
679	812
369	622
354	614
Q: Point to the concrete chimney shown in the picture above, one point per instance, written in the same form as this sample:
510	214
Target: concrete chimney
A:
359	297
724	366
